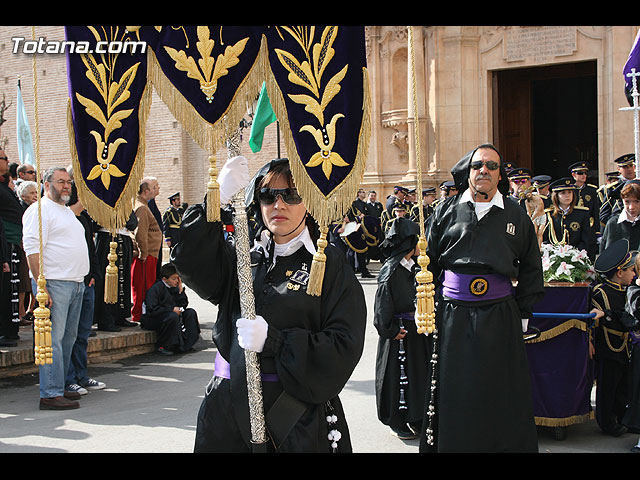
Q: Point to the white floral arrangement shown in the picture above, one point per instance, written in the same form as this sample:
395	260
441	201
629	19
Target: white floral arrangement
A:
565	263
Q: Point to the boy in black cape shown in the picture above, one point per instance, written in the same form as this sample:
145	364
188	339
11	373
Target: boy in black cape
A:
167	312
403	355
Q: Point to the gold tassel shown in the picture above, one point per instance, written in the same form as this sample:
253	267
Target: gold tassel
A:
42	351
425	311
213	192
316	275
111	275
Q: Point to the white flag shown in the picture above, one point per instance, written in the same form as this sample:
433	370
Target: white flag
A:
25	144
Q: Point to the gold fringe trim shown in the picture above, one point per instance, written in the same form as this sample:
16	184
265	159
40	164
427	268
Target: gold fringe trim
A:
560	329
111	275
316	275
425	292
563	422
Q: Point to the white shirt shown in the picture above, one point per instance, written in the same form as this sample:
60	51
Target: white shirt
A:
482	208
408	264
65	253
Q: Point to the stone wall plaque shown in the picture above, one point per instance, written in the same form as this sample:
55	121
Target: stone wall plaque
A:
538	43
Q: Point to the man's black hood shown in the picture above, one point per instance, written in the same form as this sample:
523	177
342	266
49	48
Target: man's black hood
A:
460	171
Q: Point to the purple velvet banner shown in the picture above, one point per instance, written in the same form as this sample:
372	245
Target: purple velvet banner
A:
560	368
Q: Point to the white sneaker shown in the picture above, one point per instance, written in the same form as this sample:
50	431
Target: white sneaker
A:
91	384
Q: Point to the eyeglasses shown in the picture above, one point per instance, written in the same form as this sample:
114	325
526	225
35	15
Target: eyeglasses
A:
478	164
520	180
268	196
64	182
30	172
4	158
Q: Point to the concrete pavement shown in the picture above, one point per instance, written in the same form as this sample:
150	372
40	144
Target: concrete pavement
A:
151	403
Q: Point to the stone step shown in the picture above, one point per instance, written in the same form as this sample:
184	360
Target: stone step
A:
103	347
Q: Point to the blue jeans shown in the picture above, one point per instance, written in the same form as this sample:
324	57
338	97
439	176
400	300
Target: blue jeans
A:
65	314
77	371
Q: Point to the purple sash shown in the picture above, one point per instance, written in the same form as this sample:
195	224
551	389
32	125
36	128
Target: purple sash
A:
222	369
476	288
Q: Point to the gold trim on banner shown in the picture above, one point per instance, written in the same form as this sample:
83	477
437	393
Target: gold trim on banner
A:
559	330
563	422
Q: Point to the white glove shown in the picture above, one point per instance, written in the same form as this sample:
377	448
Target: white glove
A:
525	324
252	333
233	177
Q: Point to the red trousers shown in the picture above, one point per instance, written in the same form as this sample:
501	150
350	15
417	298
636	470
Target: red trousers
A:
143	275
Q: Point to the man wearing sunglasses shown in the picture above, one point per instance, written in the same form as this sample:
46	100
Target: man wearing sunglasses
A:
587	194
26	172
477	243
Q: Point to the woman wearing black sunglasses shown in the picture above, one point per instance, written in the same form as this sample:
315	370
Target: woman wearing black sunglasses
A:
308	345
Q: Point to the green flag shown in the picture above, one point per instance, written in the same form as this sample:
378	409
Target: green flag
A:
263	117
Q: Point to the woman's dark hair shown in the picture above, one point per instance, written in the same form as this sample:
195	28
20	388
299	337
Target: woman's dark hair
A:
282	170
556	204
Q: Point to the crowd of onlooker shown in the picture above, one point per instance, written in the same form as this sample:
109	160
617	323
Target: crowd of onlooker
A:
74	248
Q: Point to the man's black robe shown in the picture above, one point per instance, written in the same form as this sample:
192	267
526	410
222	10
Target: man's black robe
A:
483	394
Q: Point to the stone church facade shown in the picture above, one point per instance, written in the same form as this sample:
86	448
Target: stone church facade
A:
545	95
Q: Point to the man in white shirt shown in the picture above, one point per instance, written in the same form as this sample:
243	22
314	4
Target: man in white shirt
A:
65	264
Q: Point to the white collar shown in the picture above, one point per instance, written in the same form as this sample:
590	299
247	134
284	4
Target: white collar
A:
624	217
286	249
408	264
497	199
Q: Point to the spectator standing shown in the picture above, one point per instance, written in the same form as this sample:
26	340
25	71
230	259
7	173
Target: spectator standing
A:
153	206
26	173
147	244
77	379
11	216
65	263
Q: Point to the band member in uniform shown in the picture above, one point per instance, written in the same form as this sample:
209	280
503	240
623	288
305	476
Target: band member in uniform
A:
374	207
567	223
399	195
587	194
448	189
610	336
541	184
171	220
478	241
428	197
611	204
520	184
402	355
308	346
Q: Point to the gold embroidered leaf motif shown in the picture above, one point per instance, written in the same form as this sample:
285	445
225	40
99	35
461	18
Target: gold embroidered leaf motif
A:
311	105
114	122
184	63
205	47
92	109
323	52
119	91
96	74
211	70
299	73
333	87
229	58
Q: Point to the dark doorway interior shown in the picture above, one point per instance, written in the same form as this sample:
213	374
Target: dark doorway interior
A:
547	117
